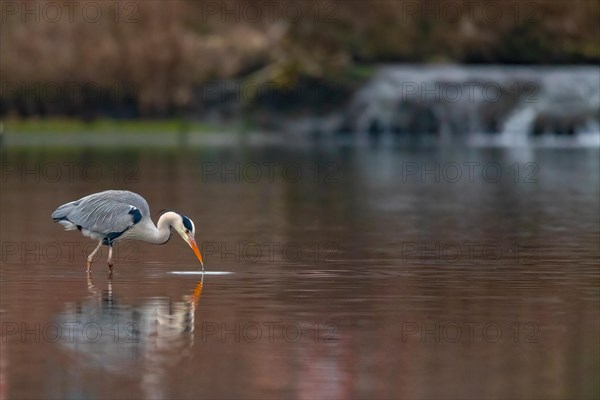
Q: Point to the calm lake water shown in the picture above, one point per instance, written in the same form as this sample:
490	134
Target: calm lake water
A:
353	273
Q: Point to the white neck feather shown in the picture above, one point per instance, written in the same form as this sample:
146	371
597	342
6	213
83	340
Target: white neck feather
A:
161	233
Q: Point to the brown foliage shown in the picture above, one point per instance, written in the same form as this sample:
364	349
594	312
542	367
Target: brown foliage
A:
167	48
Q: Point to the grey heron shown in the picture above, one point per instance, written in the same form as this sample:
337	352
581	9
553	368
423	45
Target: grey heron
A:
115	215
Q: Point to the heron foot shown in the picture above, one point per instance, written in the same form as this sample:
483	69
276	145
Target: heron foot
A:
89	266
110	268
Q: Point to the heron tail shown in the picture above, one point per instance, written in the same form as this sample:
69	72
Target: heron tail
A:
60	215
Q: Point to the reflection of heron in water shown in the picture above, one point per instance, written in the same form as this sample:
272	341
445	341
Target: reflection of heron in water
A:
117	337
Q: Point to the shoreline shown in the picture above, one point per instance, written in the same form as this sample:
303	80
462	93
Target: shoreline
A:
171	140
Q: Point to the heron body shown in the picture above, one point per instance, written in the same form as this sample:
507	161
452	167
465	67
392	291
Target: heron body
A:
115	215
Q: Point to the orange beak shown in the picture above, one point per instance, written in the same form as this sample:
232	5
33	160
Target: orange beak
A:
194	246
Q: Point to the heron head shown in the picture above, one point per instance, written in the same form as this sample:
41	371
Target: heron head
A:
185	228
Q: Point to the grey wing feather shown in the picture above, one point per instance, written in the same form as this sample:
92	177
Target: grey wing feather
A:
104	212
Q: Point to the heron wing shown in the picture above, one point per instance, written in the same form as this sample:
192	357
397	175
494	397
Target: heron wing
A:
106	213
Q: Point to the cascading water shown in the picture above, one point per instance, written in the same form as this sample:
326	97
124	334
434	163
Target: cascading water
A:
502	105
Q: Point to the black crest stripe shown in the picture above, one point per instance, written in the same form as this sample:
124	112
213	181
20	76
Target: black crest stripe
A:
187	223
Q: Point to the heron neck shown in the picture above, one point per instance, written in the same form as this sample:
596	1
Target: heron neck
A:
162	232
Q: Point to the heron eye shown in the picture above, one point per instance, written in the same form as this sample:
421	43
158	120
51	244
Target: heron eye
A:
187	231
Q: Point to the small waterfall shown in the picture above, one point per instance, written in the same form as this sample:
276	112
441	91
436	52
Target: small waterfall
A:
517	125
505	105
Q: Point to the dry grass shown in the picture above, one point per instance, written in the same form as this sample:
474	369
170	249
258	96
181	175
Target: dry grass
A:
168	48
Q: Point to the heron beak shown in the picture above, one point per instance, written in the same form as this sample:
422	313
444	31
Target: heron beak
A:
194	246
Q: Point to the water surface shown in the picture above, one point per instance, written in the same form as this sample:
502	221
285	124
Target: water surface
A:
366	275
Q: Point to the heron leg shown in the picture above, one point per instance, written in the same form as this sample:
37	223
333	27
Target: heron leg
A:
110	263
91	257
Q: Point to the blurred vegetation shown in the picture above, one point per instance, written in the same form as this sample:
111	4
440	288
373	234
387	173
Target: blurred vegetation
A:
148	58
60	125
